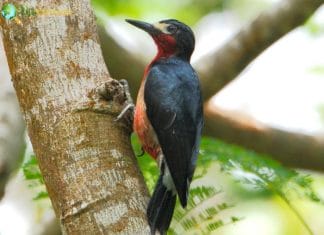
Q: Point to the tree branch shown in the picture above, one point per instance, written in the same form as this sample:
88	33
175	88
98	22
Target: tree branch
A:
85	156
292	149
218	68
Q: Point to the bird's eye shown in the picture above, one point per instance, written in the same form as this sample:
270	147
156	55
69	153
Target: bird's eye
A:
172	28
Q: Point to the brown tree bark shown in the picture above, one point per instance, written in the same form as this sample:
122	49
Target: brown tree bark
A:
85	156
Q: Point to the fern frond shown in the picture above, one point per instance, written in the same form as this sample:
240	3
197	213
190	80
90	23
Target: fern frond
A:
260	172
202	214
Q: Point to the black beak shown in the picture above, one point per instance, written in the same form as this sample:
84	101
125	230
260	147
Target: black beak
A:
149	28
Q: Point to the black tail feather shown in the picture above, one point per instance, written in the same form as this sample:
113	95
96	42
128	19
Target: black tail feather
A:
160	208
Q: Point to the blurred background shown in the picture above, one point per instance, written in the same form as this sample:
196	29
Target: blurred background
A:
259	170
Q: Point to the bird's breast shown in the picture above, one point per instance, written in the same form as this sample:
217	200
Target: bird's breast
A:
143	128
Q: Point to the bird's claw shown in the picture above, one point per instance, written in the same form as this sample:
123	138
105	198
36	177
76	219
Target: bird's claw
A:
124	83
124	111
128	110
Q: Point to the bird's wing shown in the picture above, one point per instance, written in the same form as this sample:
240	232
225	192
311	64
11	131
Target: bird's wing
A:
174	108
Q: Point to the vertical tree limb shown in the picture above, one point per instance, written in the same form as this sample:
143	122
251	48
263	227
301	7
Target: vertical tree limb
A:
85	156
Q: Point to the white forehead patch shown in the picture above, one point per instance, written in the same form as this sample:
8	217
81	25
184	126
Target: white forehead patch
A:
162	27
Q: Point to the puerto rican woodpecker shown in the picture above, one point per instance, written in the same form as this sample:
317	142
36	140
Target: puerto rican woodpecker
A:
169	117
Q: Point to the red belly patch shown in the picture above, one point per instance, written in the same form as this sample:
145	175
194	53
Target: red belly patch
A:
144	130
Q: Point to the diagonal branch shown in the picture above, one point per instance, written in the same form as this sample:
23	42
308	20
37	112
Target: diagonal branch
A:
218	68
293	149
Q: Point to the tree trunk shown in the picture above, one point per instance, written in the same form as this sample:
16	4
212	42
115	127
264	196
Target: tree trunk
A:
84	155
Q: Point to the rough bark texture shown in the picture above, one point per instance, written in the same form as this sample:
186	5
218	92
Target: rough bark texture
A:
293	149
219	68
12	127
85	156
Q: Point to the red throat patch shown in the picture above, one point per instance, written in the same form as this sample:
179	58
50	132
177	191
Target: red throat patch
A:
166	46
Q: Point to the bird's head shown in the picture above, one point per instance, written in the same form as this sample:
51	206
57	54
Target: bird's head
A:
172	37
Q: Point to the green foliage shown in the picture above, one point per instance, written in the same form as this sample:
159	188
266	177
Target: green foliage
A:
313	27
41	195
186	10
202	215
320	110
31	169
34	177
319	69
255	171
147	165
205	205
258	171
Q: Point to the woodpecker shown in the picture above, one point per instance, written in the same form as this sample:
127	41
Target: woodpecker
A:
169	117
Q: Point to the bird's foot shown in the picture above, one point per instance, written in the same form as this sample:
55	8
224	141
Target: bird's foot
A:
127	112
124	83
128	107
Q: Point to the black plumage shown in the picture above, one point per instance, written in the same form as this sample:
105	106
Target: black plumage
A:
174	108
169	117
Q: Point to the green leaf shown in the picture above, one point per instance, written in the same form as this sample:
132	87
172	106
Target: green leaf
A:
314	28
31	170
41	195
189	11
34	177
